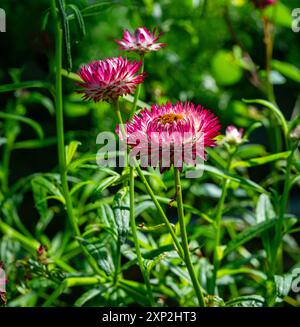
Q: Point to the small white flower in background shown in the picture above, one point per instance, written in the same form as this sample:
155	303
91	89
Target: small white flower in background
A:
233	135
295	134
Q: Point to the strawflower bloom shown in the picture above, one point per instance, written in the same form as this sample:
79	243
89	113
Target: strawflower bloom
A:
170	134
233	135
261	4
105	80
142	41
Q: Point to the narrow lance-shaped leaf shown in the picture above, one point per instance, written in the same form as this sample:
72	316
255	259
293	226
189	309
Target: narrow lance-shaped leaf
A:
66	32
36	126
78	19
122	212
71	150
99	250
248	234
246	301
262	160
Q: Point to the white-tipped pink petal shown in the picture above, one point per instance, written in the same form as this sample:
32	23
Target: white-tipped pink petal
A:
110	78
171	131
142	41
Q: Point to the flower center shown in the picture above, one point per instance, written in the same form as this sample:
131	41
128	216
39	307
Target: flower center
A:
170	118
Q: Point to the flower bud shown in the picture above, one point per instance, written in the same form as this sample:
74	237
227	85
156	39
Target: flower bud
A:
295	134
233	135
261	4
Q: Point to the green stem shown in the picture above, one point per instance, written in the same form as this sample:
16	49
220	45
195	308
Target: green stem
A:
185	243
269	54
218	225
118	262
277	256
269	43
6	163
138	91
60	136
160	211
118	259
136	240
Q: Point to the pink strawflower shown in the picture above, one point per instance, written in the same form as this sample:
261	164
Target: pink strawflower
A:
261	4
110	78
142	41
170	134
233	135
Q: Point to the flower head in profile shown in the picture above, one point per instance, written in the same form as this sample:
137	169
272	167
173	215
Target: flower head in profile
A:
170	134
233	135
105	80
142	41
261	4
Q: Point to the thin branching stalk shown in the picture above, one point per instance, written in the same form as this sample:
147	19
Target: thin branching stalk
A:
60	135
138	90
218	225
160	211
185	243
274	136
119	255
132	218
277	254
136	240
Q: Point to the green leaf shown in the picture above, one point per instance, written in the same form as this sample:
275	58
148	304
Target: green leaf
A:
72	76
35	97
25	85
162	228
122	211
275	110
50	187
246	301
248	234
225	68
71	150
97	8
262	160
66	32
264	209
107	216
243	181
100	250
78	186
79	19
87	296
39	193
283	284
105	183
280	14
287	70
247	151
135	290
36	126
150	264
256	274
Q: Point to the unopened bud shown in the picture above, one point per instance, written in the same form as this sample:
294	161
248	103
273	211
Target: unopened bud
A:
295	134
233	135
